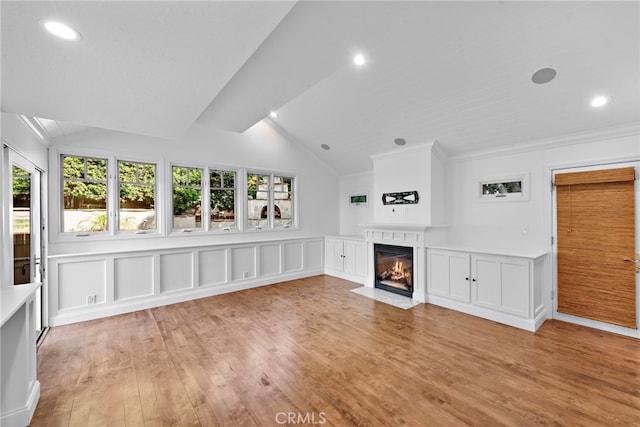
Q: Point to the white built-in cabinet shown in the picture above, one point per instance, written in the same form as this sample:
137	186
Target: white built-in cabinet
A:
506	289
346	257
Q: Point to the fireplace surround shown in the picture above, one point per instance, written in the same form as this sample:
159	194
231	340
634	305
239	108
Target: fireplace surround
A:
410	238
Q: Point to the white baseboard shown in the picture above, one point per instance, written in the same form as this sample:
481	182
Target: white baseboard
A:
528	324
22	416
345	276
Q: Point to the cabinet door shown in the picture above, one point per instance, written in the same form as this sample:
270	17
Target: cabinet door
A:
448	274
514	286
459	280
333	254
485	285
438	273
355	258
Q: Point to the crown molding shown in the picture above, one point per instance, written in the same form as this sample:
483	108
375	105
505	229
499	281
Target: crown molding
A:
554	142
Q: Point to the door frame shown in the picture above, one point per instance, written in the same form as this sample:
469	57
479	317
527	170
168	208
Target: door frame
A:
551	297
9	157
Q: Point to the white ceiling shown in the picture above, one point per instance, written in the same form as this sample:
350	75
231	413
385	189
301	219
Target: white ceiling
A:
457	72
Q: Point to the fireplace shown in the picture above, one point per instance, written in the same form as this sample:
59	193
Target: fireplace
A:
394	268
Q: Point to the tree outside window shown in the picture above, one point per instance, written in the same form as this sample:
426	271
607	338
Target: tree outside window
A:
84	194
187	198
222	186
137	201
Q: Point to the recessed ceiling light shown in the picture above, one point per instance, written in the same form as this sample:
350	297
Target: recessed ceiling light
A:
399	141
599	101
273	114
59	29
359	59
543	75
325	147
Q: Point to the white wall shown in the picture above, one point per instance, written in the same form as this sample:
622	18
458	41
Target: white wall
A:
528	222
500	223
399	171
352	217
16	134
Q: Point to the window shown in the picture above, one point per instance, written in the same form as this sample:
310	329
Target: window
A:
512	188
283	201
222	199
137	196
269	205
84	194
187	198
258	201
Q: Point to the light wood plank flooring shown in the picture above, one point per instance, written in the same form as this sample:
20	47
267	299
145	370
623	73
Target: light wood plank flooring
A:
309	351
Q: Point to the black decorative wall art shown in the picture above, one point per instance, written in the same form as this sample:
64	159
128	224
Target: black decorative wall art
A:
402	198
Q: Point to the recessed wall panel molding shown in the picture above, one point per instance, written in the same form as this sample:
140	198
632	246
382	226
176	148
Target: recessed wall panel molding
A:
133	280
176	271
243	263
313	254
213	267
270	260
81	283
292	256
133	277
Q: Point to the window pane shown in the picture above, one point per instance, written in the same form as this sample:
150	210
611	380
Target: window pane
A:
147	173
137	197
179	176
507	187
195	177
215	178
73	167
84	196
229	180
223	200
127	172
283	199
21	225
187	197
97	169
257	200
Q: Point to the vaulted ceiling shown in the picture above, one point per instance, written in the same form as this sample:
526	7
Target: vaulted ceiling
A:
456	72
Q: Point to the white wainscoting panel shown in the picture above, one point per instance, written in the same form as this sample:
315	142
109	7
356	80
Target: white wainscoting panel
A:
176	271
313	253
293	257
270	260
133	277
243	263
213	267
80	279
127	281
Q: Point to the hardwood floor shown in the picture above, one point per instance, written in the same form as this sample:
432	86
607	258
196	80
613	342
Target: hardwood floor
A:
311	352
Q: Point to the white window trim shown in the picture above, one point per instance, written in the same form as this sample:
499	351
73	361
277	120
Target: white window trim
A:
205	200
157	210
56	181
164	198
271	201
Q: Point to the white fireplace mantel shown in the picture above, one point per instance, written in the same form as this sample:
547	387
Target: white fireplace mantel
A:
417	236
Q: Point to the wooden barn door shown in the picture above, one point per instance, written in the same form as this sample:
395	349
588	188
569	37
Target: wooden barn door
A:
595	213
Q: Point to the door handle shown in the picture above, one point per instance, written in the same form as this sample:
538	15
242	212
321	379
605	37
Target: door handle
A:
635	260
